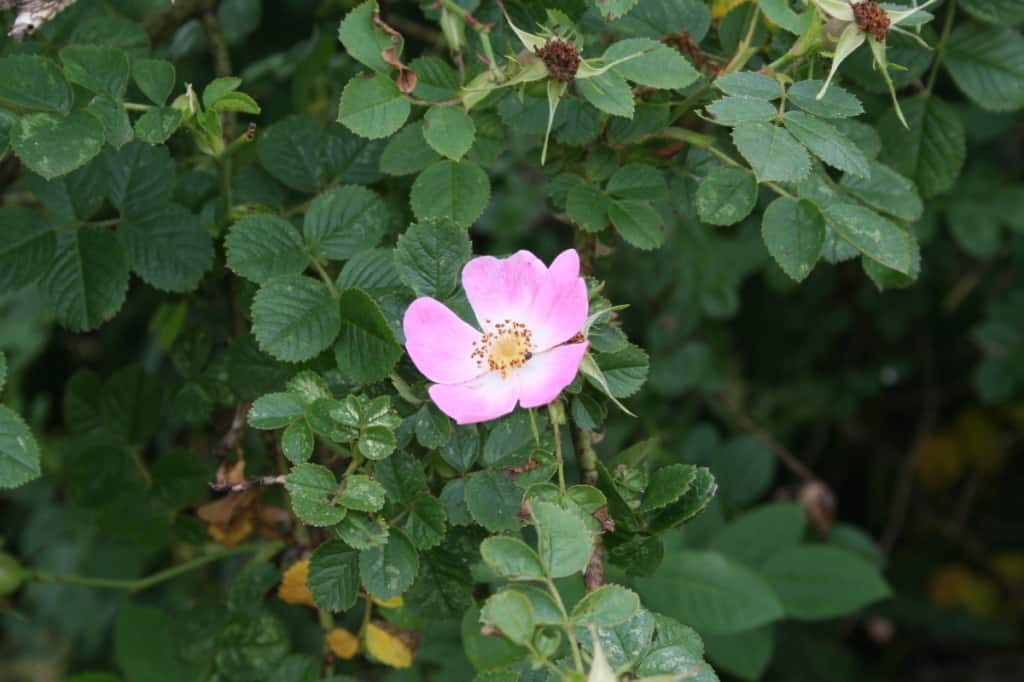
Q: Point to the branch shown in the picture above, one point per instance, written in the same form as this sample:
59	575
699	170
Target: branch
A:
257	482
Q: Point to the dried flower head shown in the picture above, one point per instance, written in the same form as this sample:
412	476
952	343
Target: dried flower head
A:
561	58
871	18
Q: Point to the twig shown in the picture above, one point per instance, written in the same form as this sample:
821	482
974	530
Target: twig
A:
744	421
593	576
257	482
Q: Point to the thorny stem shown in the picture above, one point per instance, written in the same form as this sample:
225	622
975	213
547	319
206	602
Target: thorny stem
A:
264	550
257	482
483	31
558	448
940	47
593	576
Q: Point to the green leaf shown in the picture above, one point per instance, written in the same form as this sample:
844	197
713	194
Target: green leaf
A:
295	318
248	646
275	411
494	500
97	68
155	78
407	152
363	40
638	223
297	442
462	449
744	654
157	125
362	493
587	206
3	371
794	234
449	131
750	84
218	88
827	143
696	499
430	256
999	12
312	489
886	191
512	613
370	270
772	152
425	524
874	236
817	582
27	246
511	558
377	442
236	101
294	152
373	107
116	126
139	178
564	543
659	66
487	653
607	606
261	246
344	221
609	92
433	428
7	121
34	83
614	9
436	80
932	152
19	453
389	570
667	485
146	647
755	536
713	593
987	63
637	181
449	190
733	110
168	248
88	278
54	145
366	350
726	196
360	532
401	475
836	103
625	371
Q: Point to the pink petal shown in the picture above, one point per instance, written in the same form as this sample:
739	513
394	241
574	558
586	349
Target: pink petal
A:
482	399
547	373
551	303
439	342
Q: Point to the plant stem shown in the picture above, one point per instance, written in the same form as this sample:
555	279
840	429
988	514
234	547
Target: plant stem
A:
566	624
743	51
133	106
558	448
323	275
404	389
940	47
137	585
593	576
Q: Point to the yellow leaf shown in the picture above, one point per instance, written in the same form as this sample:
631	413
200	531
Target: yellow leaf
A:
937	461
395	602
343	643
293	588
390	645
719	8
233	532
957	586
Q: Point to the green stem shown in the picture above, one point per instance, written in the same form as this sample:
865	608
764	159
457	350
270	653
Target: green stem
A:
533	426
133	106
743	51
558	447
940	47
404	389
323	275
266	550
566	624
226	185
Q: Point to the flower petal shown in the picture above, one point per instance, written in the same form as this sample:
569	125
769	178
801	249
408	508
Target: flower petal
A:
487	397
551	303
439	342
546	374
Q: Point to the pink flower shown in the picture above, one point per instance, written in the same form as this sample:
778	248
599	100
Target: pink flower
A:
528	313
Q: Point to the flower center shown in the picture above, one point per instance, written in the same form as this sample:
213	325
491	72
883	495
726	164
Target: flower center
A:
561	58
871	18
509	346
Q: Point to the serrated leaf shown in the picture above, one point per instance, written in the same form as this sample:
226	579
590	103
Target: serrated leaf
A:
609	92
607	606
334	576
389	570
260	247
360	532
293	150
794	233
157	125
987	63
749	84
932	152
408	152
362	39
827	143
449	190
297	442
638	223
614	9
449	131
373	107
874	236
625	371
667	485
345	221
587	206
168	248
886	191
362	493
27	247
658	65
312	489
510	612
637	181
512	558
772	152
139	177
430	257
155	78
98	68
295	318
88	278
53	145
116	125
19	453
425	524
366	350
1000	12
836	103
733	110
401	475
726	196
35	83
494	500
564	543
